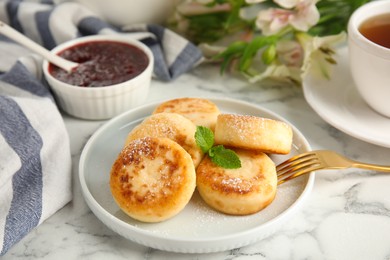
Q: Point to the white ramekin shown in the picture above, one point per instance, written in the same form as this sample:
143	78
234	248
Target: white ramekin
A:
97	103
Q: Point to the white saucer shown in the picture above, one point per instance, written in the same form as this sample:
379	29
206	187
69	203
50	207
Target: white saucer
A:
198	228
338	102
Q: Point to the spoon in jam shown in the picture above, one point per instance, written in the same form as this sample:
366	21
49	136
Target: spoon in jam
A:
13	34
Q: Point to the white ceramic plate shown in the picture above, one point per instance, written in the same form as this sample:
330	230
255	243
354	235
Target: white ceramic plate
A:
338	102
198	228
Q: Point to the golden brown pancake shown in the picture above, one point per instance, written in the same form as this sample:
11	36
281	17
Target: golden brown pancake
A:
173	126
255	133
200	111
241	191
152	179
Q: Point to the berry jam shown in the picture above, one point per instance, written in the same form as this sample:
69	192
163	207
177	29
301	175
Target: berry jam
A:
102	63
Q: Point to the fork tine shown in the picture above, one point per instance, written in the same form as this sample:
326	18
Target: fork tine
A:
297	165
295	161
293	174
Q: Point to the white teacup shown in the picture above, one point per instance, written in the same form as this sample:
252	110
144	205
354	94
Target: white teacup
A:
370	62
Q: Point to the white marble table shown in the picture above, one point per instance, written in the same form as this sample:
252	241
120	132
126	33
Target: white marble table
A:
347	215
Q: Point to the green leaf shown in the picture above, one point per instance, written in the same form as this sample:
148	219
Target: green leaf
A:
204	138
225	63
221	156
225	158
233	51
210	27
252	48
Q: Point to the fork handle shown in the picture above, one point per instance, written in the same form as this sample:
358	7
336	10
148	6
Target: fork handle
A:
368	166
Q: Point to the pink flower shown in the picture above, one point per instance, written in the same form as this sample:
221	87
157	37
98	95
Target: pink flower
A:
290	53
306	15
273	20
302	17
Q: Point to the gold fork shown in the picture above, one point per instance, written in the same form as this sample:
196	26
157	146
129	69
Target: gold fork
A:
319	160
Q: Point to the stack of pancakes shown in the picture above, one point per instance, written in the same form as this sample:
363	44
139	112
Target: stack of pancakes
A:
160	166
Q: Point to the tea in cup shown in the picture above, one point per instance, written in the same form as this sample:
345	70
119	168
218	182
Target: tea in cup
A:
369	53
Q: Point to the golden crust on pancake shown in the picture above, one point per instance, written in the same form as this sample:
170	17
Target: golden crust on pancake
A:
241	191
200	111
251	132
152	179
173	126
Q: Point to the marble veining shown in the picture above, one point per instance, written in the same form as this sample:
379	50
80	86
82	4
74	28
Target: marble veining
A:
346	217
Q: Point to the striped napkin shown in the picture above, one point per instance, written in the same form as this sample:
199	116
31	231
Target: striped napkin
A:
35	160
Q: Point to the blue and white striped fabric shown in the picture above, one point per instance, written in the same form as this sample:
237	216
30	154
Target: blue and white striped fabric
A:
35	161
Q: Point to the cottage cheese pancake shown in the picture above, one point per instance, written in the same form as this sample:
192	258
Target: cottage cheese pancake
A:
251	132
241	191
152	179
200	111
172	126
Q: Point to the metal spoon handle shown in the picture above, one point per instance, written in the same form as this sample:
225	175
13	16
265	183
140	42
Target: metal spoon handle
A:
27	42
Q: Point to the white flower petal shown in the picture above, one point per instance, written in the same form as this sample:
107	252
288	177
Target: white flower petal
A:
254	1
315	60
287	3
305	18
272	20
290	53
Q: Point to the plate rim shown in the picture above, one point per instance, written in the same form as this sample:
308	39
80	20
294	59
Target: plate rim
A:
199	248
309	97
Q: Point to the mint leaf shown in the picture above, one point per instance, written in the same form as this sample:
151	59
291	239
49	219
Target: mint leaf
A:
225	158
221	156
204	138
